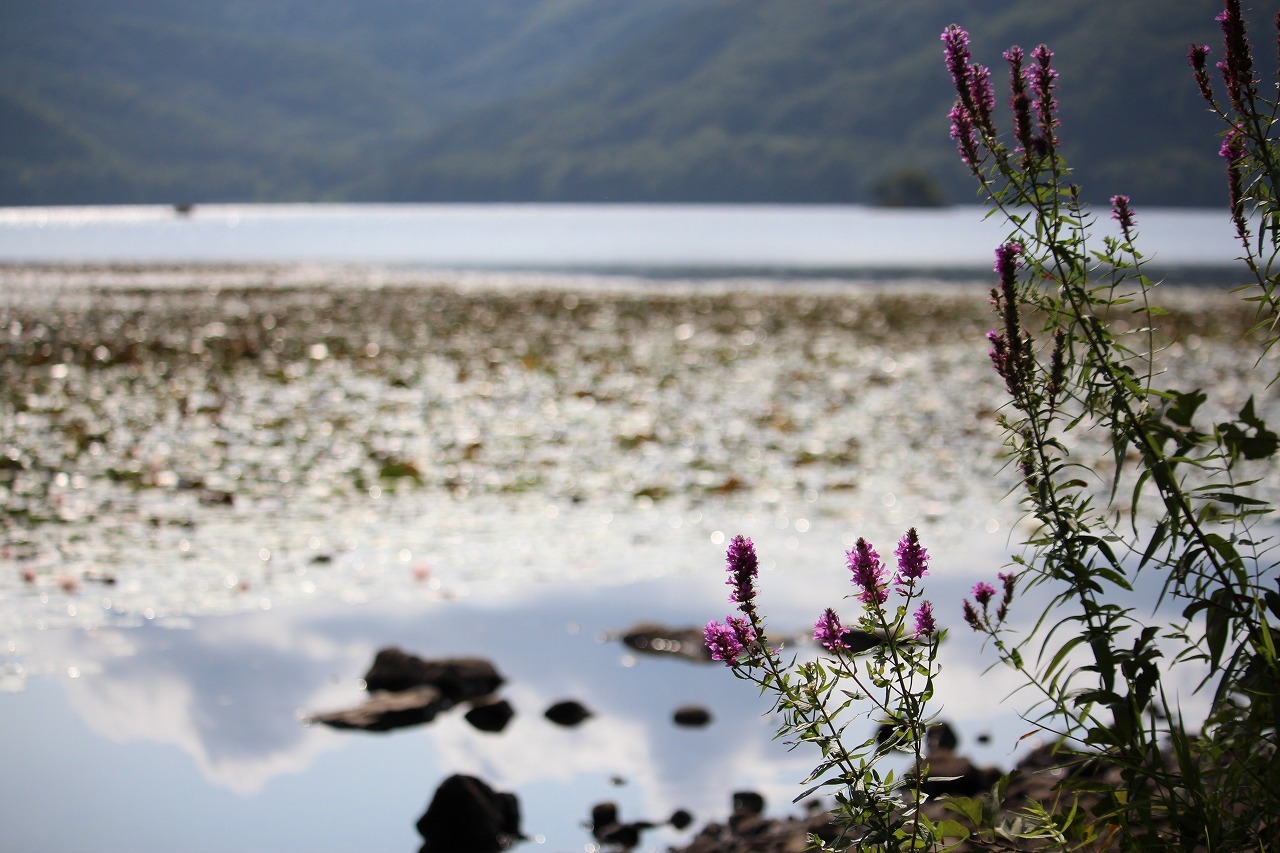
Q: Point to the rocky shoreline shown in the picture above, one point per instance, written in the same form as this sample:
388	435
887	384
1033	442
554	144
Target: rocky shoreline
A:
467	815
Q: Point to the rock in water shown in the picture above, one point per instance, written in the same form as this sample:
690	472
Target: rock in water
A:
467	816
406	690
383	711
654	639
458	679
691	716
567	713
491	716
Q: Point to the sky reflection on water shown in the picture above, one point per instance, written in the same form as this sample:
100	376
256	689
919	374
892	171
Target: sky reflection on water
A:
193	733
165	648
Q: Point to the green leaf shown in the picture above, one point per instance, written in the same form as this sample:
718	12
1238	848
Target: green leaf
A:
1184	406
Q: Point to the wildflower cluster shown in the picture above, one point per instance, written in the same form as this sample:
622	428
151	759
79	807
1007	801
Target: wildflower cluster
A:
869	576
1098	666
884	664
984	593
729	641
1032	101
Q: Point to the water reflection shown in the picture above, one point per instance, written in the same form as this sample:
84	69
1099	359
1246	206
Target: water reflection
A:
228	692
546	467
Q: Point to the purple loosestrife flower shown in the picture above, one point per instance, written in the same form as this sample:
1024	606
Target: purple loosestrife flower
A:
827	630
983	592
1020	101
1009	580
1237	62
1007	268
982	95
1006	299
965	135
925	626
913	559
1043	79
1057	367
1233	145
1233	151
742	566
971	616
975	97
957	53
1197	56
1010	352
868	573
1121	212
999	353
728	641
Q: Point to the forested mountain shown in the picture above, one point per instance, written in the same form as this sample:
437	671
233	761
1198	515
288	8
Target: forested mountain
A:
582	100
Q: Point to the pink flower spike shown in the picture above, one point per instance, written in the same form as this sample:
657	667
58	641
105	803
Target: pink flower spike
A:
925	626
827	630
1121	212
728	641
913	559
868	573
742	566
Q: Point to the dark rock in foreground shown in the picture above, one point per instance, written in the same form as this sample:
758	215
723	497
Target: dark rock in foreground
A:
748	831
467	816
1044	776
612	832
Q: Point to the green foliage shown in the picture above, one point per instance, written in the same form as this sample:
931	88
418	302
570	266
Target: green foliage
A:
1171	493
878	668
908	188
567	100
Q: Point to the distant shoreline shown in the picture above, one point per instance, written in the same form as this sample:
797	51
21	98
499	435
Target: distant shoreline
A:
169	275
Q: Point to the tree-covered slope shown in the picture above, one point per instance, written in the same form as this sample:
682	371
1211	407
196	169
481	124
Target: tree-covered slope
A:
671	100
760	101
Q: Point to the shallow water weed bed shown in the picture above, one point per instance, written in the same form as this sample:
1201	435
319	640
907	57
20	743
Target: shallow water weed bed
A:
158	432
224	487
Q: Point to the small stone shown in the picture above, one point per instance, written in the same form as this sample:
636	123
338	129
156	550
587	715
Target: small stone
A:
692	716
491	716
567	713
384	711
749	802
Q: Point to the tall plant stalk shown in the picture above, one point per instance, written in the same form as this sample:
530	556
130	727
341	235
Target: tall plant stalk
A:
1100	668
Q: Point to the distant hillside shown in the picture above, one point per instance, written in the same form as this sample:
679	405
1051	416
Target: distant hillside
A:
661	100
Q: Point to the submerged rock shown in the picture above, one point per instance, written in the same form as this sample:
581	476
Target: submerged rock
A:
384	710
691	716
406	690
567	713
467	816
749	831
611	831
458	679
491	716
655	639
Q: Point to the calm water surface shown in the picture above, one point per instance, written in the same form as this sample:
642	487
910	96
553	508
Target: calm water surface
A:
528	236
166	710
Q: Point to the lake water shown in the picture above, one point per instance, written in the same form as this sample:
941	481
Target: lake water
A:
790	238
247	447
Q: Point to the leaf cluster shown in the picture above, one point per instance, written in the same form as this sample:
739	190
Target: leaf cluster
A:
1172	497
